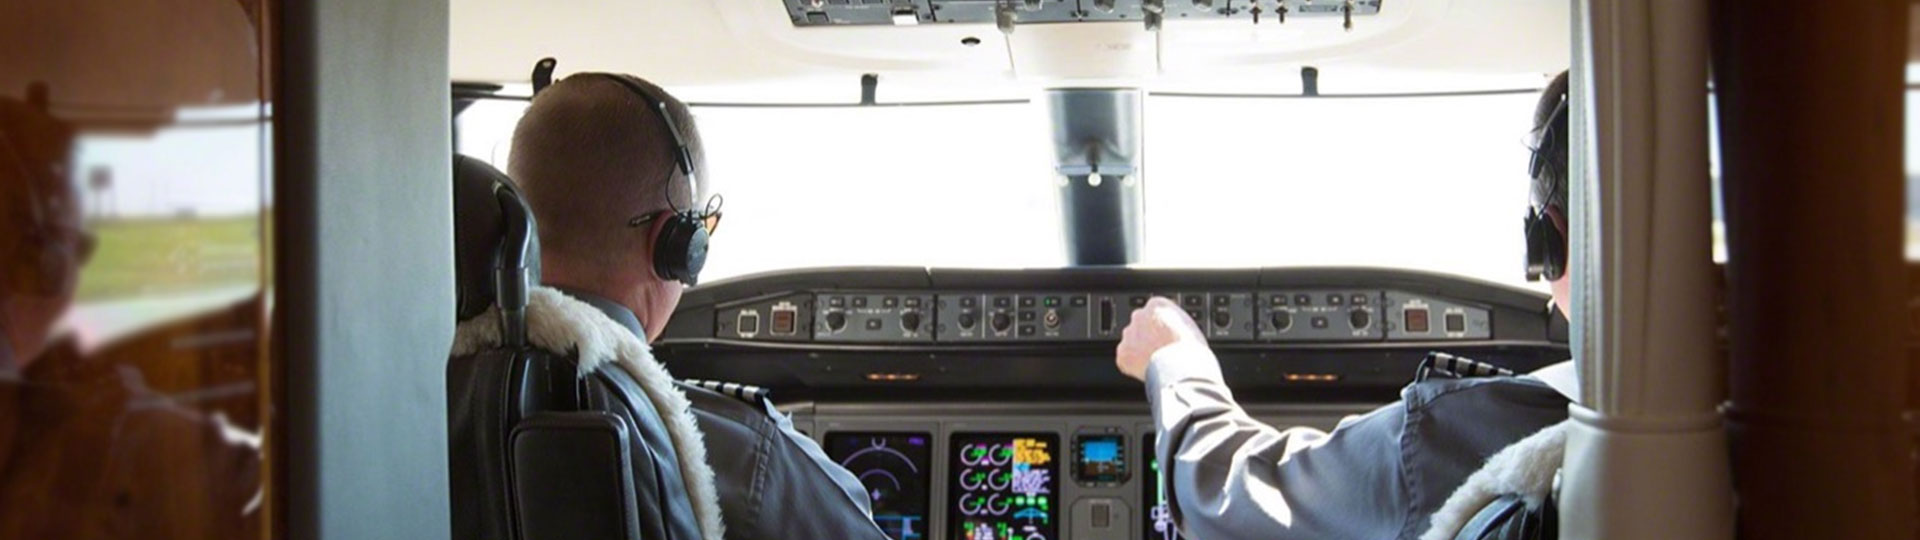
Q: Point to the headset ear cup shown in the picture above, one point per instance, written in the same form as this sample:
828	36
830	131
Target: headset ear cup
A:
1536	254
1556	263
1556	258
670	249
1546	252
696	258
682	249
1552	248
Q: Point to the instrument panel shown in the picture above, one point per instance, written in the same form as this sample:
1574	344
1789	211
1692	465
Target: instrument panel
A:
838	333
1000	316
984	404
1015	473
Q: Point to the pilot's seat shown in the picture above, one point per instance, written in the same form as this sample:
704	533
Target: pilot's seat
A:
536	449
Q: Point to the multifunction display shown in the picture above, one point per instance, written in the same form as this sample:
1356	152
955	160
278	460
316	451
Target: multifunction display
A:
894	469
1100	459
1005	486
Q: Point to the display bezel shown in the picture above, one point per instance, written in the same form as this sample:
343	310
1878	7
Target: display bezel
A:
1080	473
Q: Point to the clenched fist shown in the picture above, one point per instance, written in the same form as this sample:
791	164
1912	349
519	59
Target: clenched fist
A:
1159	324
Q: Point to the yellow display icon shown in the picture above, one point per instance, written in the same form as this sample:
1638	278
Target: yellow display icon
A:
1031	452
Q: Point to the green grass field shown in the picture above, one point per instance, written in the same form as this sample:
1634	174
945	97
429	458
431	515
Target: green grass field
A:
142	257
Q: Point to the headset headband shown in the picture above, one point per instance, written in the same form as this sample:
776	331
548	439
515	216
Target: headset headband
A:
681	155
1547	150
39	215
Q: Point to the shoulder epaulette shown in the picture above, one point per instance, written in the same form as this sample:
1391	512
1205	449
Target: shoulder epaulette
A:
1455	367
752	395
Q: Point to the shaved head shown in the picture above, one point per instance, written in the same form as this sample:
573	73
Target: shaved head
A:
591	155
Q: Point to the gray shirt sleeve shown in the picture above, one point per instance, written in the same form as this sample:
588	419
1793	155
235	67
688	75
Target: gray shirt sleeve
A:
1229	476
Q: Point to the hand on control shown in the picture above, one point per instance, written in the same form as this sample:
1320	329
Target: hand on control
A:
1155	326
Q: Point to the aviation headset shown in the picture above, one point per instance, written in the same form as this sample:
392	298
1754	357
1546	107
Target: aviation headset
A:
1546	243
680	250
39	264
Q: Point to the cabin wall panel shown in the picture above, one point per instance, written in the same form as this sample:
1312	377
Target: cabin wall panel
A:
365	221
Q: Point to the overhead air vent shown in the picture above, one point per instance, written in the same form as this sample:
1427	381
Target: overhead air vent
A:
903	12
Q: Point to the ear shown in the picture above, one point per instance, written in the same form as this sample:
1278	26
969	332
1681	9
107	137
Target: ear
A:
1558	215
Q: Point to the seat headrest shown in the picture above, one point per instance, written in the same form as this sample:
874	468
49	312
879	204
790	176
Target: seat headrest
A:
479	230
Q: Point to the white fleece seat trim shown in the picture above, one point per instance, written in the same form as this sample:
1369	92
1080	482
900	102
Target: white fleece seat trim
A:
561	325
1525	468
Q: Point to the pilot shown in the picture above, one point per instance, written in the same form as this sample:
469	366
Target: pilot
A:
43	242
1383	474
604	172
87	449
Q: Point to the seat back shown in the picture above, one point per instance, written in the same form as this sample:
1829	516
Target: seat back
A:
535	450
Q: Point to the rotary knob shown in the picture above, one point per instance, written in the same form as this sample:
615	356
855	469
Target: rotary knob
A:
836	321
1282	320
910	321
1001	321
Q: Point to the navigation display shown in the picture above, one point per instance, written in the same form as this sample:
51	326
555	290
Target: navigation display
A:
894	468
1159	518
1005	486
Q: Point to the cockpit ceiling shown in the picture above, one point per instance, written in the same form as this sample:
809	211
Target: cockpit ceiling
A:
1469	44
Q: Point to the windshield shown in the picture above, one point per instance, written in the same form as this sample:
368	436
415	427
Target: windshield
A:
964	186
961	186
1431	183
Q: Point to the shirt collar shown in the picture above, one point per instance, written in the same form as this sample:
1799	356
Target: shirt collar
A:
619	313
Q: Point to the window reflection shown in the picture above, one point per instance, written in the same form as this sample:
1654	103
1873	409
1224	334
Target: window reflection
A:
133	171
176	236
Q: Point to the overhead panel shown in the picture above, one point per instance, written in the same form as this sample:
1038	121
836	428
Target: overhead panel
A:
805	13
858	12
982	11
